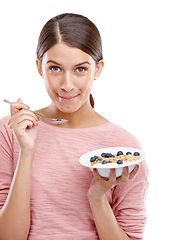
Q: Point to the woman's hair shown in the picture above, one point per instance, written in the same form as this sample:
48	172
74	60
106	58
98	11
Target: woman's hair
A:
75	31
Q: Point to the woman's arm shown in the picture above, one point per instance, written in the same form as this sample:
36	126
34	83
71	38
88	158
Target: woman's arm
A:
15	214
105	221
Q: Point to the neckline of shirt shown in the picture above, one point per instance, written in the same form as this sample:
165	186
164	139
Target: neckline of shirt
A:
48	126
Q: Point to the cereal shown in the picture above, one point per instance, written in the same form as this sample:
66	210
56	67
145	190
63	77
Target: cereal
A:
118	158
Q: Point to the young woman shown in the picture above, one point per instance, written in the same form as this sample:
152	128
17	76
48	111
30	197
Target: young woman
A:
44	192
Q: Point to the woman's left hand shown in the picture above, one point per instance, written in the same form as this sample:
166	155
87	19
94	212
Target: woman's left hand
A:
99	185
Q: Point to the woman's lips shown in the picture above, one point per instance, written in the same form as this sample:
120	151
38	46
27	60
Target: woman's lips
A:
68	98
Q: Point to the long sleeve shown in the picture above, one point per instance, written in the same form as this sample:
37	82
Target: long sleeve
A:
6	160
128	204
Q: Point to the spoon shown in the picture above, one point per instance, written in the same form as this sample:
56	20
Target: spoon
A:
51	120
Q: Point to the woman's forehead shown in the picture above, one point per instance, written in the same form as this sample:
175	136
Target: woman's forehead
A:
62	53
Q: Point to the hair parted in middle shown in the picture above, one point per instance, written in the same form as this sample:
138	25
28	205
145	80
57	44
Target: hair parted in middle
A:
74	30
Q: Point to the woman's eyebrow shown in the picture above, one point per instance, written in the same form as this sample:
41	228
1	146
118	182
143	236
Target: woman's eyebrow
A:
86	62
51	61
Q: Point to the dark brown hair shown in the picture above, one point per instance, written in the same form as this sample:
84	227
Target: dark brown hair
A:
75	31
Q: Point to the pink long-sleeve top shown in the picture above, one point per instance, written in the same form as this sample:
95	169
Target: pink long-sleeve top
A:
59	204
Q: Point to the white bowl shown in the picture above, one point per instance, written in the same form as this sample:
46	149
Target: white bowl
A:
104	169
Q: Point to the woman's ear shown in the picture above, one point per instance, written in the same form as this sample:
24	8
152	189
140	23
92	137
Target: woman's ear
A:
99	69
39	68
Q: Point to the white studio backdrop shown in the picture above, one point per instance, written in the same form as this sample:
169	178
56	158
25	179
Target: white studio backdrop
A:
137	90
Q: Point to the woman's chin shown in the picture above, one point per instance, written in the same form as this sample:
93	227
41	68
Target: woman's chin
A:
68	109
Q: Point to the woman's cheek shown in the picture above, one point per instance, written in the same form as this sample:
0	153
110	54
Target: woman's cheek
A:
50	85
86	83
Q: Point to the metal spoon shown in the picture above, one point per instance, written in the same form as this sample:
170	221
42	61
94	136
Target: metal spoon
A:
52	120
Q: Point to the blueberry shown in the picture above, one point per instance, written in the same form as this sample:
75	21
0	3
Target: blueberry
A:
92	159
136	154
104	162
99	159
128	153
103	155
107	155
58	119
119	162
120	153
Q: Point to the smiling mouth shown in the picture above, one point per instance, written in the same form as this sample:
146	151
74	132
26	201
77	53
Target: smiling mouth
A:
67	99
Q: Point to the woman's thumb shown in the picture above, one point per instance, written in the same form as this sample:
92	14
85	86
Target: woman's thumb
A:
19	100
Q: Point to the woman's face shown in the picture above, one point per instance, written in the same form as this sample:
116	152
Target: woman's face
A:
68	74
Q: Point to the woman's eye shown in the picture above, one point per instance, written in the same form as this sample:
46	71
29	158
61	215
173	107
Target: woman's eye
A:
55	69
81	69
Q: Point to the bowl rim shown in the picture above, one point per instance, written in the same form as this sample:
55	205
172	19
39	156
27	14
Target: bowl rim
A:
85	158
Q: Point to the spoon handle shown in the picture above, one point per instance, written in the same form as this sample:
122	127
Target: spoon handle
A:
7	101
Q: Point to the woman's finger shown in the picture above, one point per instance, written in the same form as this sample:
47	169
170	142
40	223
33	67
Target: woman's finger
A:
108	183
124	177
22	115
96	174
21	127
112	176
134	172
15	120
17	106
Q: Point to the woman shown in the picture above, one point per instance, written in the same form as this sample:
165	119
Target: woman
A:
44	192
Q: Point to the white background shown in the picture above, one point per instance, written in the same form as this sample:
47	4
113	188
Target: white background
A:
138	88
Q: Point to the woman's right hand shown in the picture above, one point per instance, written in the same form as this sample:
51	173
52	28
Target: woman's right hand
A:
23	124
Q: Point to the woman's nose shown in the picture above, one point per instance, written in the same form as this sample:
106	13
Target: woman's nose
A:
67	83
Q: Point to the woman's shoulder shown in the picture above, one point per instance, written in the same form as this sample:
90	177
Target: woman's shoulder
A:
126	138
4	122
6	135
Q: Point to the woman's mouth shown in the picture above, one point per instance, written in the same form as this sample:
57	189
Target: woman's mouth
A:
67	99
